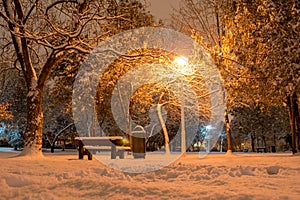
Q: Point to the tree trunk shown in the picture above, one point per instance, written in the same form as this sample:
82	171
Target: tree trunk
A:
52	148
252	143
164	128
297	121
291	107
33	132
130	131
228	132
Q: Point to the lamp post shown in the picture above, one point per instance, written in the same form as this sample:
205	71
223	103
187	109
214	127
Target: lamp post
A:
181	63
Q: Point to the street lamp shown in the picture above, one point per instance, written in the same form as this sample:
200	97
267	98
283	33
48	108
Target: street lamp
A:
181	61
181	64
208	137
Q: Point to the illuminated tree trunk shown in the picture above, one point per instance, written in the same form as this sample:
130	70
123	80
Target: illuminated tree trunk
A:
35	84
33	132
164	128
228	132
227	125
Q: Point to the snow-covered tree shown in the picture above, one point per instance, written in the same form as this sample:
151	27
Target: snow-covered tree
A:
160	95
58	98
262	36
10	135
262	121
202	21
37	35
133	14
256	46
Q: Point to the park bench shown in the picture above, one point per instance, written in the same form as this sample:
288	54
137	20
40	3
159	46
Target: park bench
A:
261	149
89	145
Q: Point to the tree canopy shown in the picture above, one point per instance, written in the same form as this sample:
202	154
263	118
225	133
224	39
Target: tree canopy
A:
38	35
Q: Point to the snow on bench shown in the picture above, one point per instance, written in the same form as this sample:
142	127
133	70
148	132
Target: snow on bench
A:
89	145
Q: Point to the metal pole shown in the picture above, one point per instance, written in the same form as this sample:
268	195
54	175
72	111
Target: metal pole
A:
183	142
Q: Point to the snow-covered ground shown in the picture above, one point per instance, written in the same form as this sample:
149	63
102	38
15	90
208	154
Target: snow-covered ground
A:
6	149
216	176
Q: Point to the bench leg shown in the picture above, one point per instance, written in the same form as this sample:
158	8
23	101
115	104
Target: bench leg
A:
113	152
90	155
80	153
121	154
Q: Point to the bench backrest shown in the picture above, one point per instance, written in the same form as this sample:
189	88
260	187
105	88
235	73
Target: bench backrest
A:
99	141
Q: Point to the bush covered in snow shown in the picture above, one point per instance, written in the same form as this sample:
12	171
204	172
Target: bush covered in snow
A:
11	136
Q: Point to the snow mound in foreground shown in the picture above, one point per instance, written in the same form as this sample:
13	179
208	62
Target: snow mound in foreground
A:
213	177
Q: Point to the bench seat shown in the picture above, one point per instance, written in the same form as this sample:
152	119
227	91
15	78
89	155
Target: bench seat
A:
89	145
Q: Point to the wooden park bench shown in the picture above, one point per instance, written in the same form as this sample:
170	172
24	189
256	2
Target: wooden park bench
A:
261	149
89	145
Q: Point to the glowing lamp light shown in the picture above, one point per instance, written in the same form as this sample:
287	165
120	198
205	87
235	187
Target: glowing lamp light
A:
182	65
209	127
181	60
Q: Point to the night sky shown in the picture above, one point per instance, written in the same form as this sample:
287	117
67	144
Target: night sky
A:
161	9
